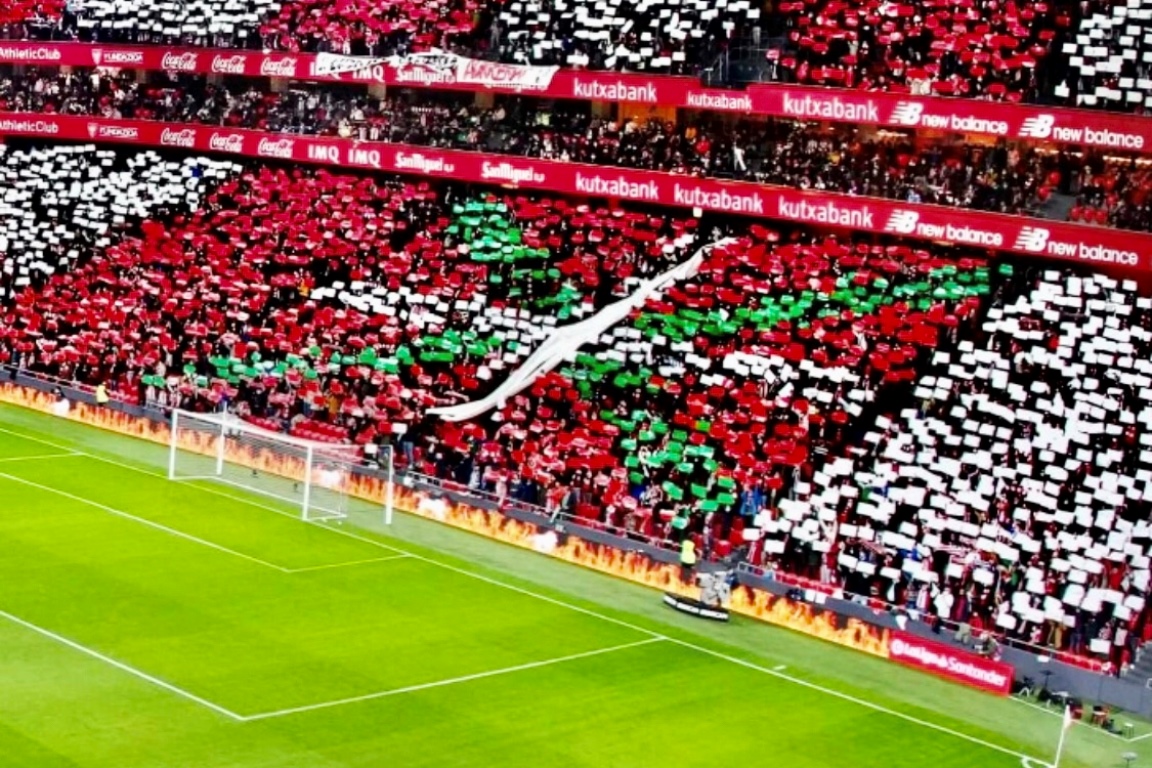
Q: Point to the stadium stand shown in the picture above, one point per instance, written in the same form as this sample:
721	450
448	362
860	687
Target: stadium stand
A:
788	396
61	203
1017	480
1109	57
1097	187
348	27
982	49
668	36
1091	56
470	265
31	12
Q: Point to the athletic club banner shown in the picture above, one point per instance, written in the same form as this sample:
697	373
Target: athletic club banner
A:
1036	237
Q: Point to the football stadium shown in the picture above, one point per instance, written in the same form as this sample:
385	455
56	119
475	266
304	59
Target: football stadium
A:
575	383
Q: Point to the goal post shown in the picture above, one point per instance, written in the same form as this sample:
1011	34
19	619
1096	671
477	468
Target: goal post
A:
319	478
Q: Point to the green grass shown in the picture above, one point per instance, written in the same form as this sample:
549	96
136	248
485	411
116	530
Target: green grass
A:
151	623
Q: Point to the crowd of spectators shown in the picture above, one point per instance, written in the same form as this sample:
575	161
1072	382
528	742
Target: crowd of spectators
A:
1116	193
997	178
1013	486
1091	55
759	401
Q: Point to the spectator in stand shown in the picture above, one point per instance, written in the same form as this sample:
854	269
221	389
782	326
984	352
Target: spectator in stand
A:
996	178
733	409
1091	54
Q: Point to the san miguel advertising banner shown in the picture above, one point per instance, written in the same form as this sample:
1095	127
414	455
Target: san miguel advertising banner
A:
1037	237
946	661
449	71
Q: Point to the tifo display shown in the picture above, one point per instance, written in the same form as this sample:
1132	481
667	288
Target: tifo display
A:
621	368
386	382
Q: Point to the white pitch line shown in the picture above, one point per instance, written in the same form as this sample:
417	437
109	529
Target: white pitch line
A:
708	651
143	521
12	459
330	566
699	648
121	666
452	680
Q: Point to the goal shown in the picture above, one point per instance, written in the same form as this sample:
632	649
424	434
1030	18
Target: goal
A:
319	478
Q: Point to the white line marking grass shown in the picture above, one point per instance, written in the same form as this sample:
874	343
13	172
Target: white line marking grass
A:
122	666
41	457
348	564
453	680
143	521
655	635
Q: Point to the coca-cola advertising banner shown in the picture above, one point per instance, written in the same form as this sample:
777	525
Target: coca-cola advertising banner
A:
448	71
1037	237
952	663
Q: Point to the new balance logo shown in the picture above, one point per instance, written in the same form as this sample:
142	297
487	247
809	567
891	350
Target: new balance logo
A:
1038	127
907	113
903	222
1032	239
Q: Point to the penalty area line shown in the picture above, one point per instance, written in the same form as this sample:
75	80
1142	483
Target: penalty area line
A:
330	566
122	666
451	680
1027	759
41	457
143	521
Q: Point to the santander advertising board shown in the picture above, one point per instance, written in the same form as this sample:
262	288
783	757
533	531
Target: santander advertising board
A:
952	663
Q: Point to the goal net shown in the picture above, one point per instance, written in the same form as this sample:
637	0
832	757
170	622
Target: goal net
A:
319	478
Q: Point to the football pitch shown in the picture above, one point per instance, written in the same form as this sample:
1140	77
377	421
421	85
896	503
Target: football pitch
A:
145	622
